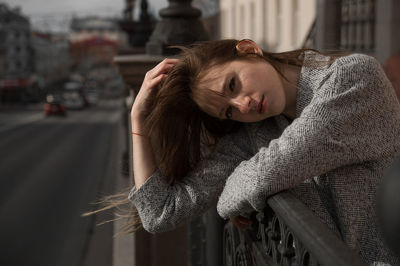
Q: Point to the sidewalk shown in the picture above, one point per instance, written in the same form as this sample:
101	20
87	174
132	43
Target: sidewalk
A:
13	116
21	107
107	247
123	245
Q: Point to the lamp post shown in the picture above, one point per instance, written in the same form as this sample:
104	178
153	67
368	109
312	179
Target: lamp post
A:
388	206
138	31
180	25
128	11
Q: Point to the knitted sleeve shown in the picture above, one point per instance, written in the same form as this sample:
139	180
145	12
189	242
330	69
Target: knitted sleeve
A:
341	126
163	207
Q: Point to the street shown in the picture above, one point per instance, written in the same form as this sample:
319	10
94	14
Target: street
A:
51	168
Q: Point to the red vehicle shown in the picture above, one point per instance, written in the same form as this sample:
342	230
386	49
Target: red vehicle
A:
54	106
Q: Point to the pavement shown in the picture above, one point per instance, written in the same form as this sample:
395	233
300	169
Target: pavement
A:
66	162
21	107
123	245
12	116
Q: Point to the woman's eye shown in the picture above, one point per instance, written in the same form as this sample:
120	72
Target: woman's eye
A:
232	84
228	112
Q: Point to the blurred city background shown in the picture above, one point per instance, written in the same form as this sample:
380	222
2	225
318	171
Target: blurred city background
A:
69	71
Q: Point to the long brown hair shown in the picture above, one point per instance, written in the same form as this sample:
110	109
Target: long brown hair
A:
177	126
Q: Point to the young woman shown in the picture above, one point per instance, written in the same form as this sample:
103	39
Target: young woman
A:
323	127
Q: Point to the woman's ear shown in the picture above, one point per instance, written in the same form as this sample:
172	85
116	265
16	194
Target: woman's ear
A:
248	47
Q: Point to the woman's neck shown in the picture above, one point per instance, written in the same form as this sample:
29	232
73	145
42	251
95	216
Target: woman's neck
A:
292	73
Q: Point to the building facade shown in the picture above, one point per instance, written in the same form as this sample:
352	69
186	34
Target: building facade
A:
90	27
210	16
51	57
95	38
1	60
276	25
362	26
16	54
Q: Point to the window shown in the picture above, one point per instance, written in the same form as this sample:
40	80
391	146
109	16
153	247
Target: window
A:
243	18
224	24
10	67
264	21
233	16
295	23
278	22
10	35
252	21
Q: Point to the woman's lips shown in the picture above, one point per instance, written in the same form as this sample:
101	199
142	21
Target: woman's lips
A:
261	106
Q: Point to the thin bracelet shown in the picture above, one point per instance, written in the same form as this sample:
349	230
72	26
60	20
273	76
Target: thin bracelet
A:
134	133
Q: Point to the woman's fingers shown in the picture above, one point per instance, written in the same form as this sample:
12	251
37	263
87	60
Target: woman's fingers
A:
241	222
237	224
154	82
244	220
157	74
141	107
162	67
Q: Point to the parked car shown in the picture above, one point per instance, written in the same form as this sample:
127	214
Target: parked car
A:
92	97
54	106
74	96
74	101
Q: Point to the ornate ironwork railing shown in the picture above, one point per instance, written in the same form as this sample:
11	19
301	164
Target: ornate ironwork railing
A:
286	233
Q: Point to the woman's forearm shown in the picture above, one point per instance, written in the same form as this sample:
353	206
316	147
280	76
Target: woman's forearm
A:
144	163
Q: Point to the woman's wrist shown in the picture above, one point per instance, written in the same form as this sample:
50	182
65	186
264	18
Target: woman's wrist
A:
137	118
137	125
138	134
137	128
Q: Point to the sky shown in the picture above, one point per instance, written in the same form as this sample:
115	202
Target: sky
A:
54	15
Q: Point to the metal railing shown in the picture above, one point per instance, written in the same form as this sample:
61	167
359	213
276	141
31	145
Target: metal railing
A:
287	232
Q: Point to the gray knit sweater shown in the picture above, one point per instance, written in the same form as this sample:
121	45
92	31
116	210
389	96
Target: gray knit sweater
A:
331	156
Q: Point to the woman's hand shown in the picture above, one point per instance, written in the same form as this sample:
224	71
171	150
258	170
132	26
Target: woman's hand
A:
141	107
241	222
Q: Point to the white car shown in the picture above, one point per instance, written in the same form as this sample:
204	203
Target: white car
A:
73	100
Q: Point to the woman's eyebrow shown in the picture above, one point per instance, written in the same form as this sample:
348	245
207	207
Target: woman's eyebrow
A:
221	112
224	85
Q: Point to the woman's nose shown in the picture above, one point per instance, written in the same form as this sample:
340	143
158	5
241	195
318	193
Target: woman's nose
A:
244	104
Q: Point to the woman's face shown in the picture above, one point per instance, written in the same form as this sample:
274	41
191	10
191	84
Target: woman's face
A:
252	91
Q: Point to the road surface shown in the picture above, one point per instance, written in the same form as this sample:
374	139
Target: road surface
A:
50	169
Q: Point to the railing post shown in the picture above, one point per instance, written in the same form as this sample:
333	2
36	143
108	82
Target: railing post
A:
387	38
328	19
180	24
389	206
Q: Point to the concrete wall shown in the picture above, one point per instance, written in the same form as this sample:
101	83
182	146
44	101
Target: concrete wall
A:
387	37
276	25
17	54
